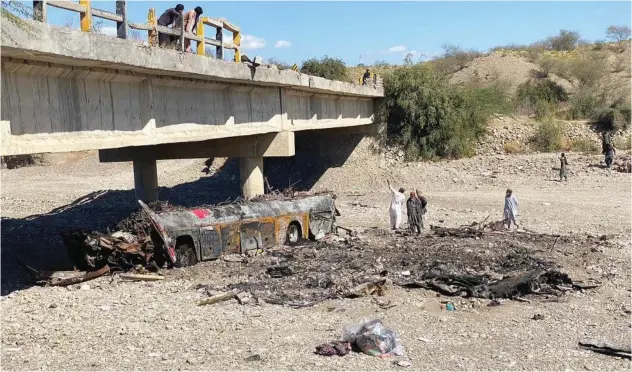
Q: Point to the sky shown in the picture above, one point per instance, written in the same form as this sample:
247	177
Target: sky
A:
365	32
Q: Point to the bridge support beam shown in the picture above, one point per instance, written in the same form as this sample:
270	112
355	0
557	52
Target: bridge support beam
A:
251	176
146	180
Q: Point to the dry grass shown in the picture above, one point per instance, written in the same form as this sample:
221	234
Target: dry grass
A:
514	147
584	145
623	142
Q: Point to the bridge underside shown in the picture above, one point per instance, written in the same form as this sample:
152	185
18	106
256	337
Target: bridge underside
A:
54	108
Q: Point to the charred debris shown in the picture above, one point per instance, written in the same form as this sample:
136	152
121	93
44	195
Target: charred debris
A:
480	260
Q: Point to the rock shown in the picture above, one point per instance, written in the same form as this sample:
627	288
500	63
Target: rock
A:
85	287
253	358
404	363
52	306
406	273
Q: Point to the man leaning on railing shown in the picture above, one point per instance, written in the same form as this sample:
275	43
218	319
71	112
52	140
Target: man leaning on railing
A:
191	19
169	18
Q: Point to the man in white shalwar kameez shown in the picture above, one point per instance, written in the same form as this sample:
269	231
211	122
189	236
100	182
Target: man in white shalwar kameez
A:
397	201
511	210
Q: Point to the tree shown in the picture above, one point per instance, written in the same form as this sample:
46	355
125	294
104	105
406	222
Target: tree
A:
326	67
618	33
408	59
565	40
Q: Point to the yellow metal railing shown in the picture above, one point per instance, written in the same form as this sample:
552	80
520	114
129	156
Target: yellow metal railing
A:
84	8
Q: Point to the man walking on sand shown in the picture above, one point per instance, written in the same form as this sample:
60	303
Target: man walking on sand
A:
563	168
510	213
397	201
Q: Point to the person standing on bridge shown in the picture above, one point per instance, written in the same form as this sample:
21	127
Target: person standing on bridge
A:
169	18
366	77
191	19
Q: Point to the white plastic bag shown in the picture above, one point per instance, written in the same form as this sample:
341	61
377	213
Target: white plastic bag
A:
373	338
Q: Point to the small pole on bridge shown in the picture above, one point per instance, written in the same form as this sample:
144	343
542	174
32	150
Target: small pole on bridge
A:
39	11
219	50
201	45
86	16
122	28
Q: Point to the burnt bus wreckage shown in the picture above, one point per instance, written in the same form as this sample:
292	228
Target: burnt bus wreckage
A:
183	237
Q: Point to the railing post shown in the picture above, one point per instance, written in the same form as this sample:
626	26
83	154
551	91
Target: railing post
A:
152	36
219	50
201	45
39	11
122	27
86	17
237	42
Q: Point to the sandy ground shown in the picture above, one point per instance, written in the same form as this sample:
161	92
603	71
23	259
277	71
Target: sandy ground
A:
107	324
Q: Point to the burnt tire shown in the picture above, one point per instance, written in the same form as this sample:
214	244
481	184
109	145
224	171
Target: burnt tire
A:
293	235
185	256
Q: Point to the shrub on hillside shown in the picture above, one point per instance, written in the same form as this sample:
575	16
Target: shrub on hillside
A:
585	145
588	71
585	103
614	117
548	136
454	59
326	67
432	118
565	40
513	147
540	97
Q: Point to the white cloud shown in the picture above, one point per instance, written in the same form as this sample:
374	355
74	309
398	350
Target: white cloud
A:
108	30
282	44
397	49
252	42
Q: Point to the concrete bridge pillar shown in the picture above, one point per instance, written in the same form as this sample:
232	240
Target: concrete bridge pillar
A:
251	176
146	180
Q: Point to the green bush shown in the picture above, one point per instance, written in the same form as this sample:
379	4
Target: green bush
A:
540	97
541	90
615	117
548	136
432	118
326	67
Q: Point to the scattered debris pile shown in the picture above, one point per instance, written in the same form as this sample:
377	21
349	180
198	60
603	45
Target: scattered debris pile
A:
454	262
129	246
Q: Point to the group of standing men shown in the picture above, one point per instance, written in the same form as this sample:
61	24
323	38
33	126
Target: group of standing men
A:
416	209
173	18
415	206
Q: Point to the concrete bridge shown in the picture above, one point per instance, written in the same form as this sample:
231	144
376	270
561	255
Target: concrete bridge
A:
67	90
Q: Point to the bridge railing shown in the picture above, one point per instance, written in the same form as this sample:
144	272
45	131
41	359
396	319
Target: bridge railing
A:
84	8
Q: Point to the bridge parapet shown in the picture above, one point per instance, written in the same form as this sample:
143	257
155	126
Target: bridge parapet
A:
87	12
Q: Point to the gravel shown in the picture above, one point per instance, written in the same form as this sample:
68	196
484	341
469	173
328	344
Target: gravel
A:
108	324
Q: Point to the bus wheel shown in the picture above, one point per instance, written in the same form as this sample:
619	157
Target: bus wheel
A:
185	256
293	234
